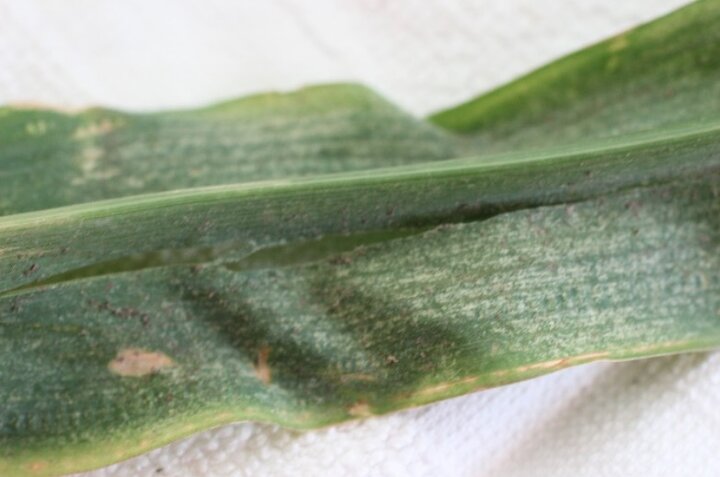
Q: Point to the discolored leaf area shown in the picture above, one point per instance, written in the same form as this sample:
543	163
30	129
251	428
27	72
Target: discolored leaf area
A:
52	158
370	269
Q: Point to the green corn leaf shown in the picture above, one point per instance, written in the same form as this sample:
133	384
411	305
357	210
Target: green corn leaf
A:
101	154
664	74
319	256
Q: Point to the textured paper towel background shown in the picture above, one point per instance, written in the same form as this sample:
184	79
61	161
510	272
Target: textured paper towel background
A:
653	418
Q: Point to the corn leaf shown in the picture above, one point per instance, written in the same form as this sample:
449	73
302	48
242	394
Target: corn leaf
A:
319	256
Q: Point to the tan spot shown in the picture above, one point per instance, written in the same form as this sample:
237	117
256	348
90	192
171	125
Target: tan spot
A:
360	409
262	369
89	161
552	364
224	416
555	363
618	43
138	362
562	362
588	357
443	387
37	466
94	129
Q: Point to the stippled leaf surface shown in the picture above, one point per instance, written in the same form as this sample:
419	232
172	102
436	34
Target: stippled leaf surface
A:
334	290
51	158
383	327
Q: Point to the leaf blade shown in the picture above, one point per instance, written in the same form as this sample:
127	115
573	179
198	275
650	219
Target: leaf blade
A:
603	249
342	346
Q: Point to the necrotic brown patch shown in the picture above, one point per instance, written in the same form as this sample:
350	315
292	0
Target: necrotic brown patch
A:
262	369
139	362
360	409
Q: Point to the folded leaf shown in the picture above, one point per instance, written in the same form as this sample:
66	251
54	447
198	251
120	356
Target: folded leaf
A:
237	220
130	322
102	154
100	370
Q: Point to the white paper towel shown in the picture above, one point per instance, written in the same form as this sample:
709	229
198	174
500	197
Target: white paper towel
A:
648	418
422	54
656	417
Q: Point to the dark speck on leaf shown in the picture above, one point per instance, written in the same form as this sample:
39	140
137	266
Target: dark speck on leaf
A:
340	260
32	269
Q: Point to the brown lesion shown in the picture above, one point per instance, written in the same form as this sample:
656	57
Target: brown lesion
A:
442	388
136	362
95	128
400	354
360	409
551	365
262	368
37	466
